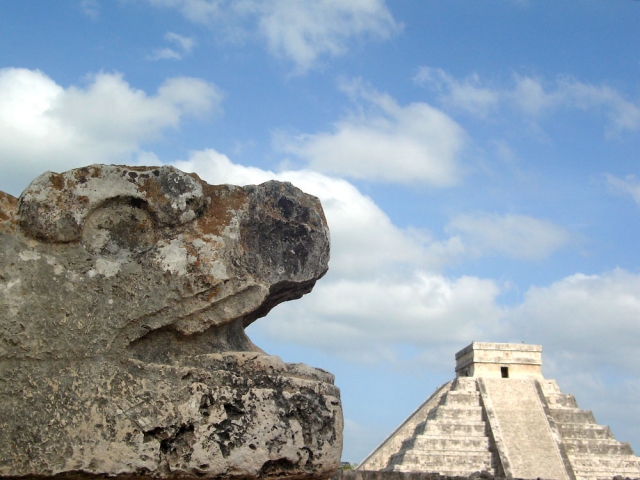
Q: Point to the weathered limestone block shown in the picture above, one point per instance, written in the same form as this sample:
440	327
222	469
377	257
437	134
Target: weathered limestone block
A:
124	294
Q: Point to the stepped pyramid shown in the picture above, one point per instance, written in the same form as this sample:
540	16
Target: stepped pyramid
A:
500	415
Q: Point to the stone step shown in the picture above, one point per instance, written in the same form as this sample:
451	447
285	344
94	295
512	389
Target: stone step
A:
459	413
572	416
463	384
613	463
605	475
465	472
449	443
597	447
471	399
431	462
470	429
448	471
549	387
563	400
572	430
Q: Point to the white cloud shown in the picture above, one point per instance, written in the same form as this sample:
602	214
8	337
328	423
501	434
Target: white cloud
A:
46	127
622	113
630	185
185	45
416	143
164	54
589	320
379	308
465	94
588	326
303	31
472	95
364	240
386	312
381	291
532	97
197	11
90	8
298	30
216	169
517	236
371	320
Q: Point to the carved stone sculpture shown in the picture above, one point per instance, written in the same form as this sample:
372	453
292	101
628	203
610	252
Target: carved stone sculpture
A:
124	295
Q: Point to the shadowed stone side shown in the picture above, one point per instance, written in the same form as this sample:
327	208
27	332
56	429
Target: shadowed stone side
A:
591	448
452	440
124	294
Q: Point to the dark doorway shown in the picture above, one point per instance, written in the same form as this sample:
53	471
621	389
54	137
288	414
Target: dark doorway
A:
505	372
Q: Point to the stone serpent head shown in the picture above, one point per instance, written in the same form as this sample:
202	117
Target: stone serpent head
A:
124	295
153	261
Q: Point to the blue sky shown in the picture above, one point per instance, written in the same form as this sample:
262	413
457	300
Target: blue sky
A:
477	162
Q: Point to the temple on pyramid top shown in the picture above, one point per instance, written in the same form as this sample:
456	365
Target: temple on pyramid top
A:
499	360
500	415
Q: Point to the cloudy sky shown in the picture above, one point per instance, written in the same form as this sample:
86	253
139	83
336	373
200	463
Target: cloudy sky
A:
477	162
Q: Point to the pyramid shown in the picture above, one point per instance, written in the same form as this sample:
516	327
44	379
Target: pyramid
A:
500	415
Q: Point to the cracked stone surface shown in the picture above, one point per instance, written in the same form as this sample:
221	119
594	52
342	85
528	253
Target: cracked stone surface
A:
124	295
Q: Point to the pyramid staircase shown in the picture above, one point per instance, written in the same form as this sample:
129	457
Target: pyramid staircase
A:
453	440
592	450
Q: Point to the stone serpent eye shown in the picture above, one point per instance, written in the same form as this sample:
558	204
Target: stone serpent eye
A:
119	227
55	207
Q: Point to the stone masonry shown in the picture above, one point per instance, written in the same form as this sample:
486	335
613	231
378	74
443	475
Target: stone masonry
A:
501	416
